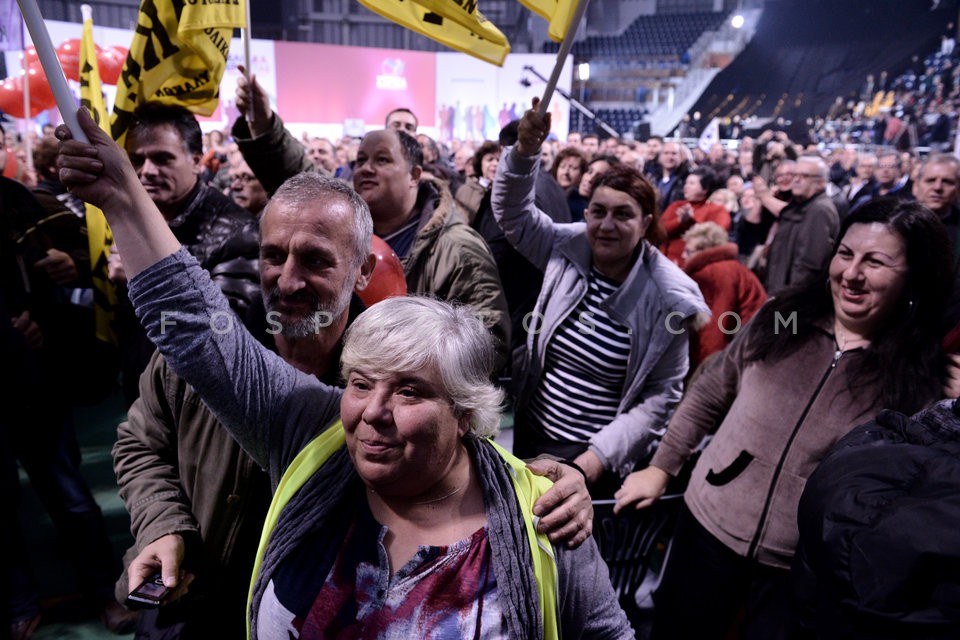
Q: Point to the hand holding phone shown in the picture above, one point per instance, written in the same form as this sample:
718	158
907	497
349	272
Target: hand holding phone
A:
149	594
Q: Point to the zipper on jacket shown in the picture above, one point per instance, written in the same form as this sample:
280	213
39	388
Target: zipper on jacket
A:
752	550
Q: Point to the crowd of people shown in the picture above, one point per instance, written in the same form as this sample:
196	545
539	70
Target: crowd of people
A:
301	459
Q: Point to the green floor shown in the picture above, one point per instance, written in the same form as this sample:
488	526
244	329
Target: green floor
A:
63	618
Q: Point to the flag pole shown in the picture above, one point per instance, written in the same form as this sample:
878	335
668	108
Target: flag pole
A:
246	58
26	88
51	66
562	54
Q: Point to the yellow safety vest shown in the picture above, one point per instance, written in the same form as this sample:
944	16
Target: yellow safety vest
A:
528	486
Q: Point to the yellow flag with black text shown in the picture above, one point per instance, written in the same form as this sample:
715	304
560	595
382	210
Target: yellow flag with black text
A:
454	23
178	55
559	13
99	237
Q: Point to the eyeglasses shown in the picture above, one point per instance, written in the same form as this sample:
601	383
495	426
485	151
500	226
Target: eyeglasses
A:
245	178
811	176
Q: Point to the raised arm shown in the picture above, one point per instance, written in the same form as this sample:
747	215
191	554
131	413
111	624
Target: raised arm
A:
531	231
101	174
260	398
271	151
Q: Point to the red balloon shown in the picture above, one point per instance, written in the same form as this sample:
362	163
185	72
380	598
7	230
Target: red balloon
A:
388	279
110	61
69	55
11	97
31	59
41	95
11	94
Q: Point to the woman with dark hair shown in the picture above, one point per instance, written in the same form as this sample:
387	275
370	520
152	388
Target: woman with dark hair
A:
474	195
601	369
695	207
579	197
812	364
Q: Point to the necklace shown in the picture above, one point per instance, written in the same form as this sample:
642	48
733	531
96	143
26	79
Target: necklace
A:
431	500
842	341
441	498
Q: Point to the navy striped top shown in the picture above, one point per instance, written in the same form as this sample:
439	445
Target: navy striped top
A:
585	369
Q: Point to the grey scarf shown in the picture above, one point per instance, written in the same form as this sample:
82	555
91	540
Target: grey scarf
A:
310	511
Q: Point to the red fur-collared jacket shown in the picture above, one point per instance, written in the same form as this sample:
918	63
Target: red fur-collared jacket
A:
729	288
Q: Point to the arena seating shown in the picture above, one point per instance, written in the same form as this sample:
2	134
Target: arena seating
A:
796	68
658	35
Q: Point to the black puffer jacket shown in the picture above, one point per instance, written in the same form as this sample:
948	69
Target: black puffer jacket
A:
879	553
225	239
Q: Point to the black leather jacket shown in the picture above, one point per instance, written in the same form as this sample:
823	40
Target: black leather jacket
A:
225	239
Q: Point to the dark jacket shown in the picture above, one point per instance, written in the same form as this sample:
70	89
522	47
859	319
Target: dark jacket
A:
802	246
180	471
675	192
879	554
70	352
520	279
226	241
273	156
451	261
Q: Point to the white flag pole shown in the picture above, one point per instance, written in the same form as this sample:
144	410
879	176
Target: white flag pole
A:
246	58
26	85
51	66
27	120
562	54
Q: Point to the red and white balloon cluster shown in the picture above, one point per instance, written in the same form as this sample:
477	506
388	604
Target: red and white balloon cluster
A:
109	60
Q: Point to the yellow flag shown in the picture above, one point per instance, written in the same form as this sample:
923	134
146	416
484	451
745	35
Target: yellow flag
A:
178	55
559	13
99	236
454	23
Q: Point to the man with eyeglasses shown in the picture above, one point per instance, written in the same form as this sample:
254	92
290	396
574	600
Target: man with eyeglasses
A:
889	180
775	197
806	230
245	189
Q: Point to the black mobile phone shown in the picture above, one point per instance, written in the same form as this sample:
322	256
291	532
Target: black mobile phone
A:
149	594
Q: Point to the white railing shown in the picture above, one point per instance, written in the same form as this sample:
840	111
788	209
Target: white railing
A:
669	109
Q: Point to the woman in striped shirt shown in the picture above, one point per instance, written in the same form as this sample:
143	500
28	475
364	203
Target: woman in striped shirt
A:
606	350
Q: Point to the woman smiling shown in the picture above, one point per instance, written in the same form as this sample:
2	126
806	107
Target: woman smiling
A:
812	364
604	360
